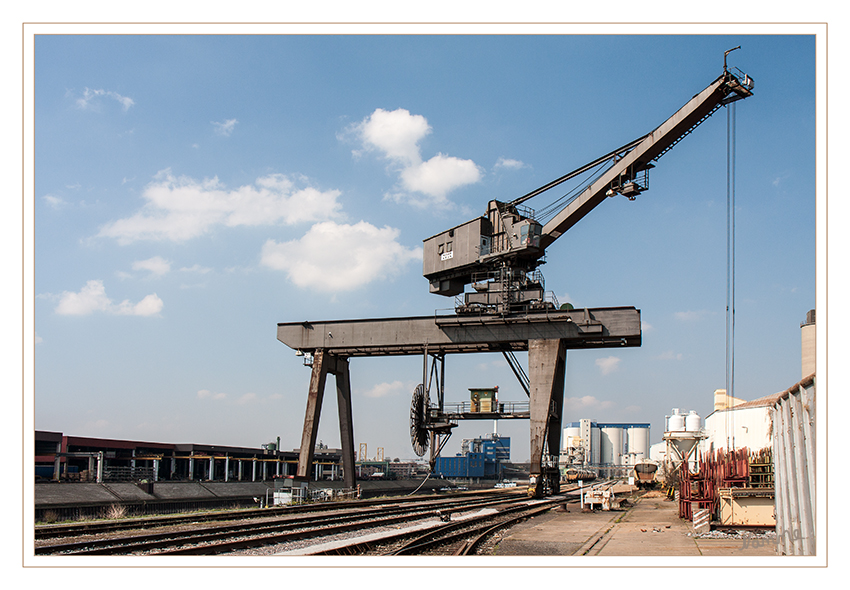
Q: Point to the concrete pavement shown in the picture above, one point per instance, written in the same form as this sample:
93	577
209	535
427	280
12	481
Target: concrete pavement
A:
651	527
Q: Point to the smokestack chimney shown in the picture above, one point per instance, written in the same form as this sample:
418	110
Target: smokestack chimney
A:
808	339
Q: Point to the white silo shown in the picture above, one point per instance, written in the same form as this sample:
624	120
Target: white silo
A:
611	439
693	423
605	449
572	431
616	435
638	442
676	422
595	445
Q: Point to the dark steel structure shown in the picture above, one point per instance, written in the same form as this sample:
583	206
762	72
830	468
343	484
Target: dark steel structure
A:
508	309
500	252
545	336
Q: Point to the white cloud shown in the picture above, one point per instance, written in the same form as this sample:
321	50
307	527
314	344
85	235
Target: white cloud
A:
780	180
437	177
609	364
150	305
92	298
206	393
156	266
388	389
340	257
89	99
587	402
397	135
181	208
97	427
491	365
670	356
646	326
55	202
508	164
246	398
224	128
690	316
196	268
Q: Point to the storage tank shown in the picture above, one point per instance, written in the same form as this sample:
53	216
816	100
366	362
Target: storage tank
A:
570	432
611	439
595	445
676	423
638	442
693	423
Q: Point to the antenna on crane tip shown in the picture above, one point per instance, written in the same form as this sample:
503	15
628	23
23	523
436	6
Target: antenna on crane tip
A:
725	53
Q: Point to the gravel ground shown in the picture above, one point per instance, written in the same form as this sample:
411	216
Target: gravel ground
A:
737	535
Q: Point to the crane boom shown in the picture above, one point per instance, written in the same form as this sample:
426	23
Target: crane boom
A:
650	148
499	253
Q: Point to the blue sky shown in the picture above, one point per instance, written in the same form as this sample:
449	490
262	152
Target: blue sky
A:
193	191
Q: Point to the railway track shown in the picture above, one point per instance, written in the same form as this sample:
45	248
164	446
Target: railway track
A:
203	537
457	538
103	527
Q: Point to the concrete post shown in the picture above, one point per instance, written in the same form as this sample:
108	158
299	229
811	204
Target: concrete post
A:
212	469
100	467
346	423
254	469
156	469
311	417
239	477
324	363
191	467
226	468
547	365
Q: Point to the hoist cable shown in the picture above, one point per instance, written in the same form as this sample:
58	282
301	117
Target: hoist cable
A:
559	204
730	270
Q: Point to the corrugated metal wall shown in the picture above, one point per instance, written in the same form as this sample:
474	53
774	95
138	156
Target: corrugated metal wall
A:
794	468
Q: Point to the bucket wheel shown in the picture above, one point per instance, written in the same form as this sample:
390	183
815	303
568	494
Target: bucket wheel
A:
419	434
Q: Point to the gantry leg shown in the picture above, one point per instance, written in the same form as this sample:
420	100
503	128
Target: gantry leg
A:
547	367
311	418
346	424
324	363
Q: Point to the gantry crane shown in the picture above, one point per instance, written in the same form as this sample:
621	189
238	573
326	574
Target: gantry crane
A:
499	253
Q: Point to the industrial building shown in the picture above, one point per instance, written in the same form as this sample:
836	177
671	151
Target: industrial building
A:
604	446
753	462
736	423
74	458
480	458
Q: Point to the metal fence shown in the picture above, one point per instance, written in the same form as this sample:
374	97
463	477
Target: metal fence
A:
794	468
128	474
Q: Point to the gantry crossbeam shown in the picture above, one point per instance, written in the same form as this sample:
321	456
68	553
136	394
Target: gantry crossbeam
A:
581	328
